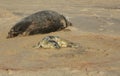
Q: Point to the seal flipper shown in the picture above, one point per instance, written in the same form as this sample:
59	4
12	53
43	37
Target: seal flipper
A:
19	28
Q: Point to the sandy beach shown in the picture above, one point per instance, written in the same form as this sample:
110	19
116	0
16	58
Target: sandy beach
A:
96	28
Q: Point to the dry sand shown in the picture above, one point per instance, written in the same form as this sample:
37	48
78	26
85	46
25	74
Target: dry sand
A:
95	28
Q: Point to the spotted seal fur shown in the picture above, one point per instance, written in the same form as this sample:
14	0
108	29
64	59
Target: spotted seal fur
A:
54	42
41	22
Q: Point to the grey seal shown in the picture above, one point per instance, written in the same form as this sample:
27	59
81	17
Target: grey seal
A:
55	42
39	23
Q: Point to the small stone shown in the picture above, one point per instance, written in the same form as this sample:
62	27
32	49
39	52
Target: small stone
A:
10	71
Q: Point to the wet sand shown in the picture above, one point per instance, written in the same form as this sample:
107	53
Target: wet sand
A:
95	28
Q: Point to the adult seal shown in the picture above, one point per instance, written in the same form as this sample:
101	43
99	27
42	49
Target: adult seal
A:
39	23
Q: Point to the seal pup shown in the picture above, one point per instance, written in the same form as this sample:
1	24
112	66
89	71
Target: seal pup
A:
39	23
55	42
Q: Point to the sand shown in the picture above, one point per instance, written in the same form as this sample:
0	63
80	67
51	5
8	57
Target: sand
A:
95	28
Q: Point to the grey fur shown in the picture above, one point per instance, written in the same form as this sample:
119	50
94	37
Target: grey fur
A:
41	22
55	42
